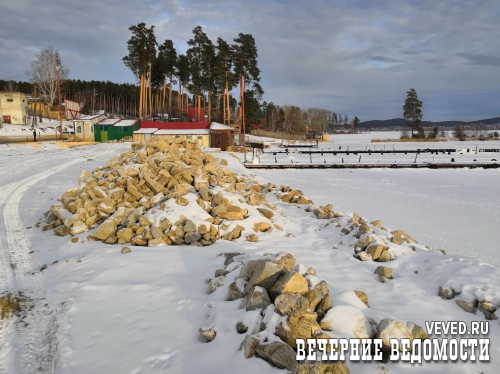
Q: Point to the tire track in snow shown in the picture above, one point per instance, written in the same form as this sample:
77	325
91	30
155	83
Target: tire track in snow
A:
33	348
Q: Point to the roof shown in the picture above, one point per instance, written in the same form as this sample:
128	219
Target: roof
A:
127	122
145	131
108	121
175	125
183	132
87	118
220	126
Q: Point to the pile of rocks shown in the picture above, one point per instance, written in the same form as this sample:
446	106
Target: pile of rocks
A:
294	303
376	243
472	304
127	201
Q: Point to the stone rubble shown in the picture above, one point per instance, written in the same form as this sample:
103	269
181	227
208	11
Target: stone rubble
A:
163	193
129	201
294	303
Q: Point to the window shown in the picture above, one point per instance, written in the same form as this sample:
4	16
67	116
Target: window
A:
78	129
105	128
92	129
199	137
177	136
10	100
122	129
188	137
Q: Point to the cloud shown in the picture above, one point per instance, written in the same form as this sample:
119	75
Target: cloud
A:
350	56
480	59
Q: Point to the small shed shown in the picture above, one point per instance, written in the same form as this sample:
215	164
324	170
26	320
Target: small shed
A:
144	134
84	126
222	136
115	129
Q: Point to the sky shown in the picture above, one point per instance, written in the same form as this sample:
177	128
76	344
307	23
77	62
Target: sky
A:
350	56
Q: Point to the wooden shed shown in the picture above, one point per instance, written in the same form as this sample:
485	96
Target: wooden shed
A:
115	129
222	136
84	126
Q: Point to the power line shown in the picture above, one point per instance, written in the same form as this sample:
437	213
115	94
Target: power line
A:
6	79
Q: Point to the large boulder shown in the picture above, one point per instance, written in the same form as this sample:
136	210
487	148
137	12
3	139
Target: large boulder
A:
290	282
347	321
292	305
389	329
258	298
264	275
279	354
297	328
375	250
106	229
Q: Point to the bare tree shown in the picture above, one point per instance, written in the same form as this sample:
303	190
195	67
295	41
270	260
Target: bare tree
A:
293	119
458	132
11	86
43	74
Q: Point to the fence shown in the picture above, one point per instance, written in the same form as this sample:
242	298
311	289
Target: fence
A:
29	138
278	135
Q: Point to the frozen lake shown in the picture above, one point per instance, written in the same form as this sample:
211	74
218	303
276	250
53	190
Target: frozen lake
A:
453	209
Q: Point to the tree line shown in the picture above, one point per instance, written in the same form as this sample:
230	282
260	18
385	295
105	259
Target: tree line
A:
208	71
122	99
290	118
167	82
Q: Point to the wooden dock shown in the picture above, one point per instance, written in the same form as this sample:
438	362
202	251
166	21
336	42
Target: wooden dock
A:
375	166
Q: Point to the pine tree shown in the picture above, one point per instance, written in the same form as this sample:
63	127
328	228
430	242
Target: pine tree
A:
413	112
182	72
165	68
142	53
245	66
224	79
201	55
355	124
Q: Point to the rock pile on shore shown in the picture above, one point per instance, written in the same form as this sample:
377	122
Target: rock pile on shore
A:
284	301
163	193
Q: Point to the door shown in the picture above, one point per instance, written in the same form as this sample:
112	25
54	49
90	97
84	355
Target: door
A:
219	140
6	119
104	136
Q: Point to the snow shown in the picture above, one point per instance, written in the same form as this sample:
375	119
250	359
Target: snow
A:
45	127
183	132
140	312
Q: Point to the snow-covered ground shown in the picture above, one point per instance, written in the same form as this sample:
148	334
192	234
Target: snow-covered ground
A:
108	312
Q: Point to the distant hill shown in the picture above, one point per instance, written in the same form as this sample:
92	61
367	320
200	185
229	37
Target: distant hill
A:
399	122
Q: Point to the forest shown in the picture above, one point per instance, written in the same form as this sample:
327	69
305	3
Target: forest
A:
206	76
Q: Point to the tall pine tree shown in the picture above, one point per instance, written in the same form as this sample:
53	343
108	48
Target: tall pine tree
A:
413	112
245	66
142	53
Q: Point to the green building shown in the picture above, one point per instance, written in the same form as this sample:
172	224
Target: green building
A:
115	129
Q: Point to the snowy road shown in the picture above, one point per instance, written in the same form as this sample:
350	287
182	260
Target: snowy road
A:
29	343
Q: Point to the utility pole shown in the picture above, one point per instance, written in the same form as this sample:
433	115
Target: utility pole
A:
58	65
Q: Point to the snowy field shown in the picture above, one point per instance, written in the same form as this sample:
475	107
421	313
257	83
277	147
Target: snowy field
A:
96	310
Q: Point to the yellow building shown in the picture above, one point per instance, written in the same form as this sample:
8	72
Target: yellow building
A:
14	108
202	136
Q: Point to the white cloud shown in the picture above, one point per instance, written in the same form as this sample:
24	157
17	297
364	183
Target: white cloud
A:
356	57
